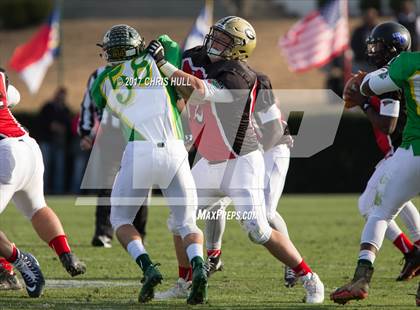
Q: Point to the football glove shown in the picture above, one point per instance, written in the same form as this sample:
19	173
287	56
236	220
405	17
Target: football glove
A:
155	49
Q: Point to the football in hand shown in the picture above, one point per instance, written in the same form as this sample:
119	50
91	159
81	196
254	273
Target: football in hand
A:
351	95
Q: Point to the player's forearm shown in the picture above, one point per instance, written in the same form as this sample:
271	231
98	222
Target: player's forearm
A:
186	84
272	134
384	123
190	87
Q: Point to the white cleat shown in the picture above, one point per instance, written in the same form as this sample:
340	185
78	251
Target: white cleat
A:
314	288
181	289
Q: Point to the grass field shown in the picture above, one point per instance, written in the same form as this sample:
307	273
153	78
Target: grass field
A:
326	229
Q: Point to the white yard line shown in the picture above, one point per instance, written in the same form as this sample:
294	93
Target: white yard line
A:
88	283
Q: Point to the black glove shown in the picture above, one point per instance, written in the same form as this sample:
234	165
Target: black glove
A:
155	49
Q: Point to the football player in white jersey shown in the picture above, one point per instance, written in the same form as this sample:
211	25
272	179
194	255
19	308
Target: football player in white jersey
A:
132	88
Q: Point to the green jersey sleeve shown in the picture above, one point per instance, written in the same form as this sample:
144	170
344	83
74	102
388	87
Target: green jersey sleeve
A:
400	69
172	50
97	91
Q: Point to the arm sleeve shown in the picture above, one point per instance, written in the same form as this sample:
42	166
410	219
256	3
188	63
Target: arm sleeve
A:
87	109
380	82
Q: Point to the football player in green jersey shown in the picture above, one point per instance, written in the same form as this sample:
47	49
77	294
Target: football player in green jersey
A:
401	180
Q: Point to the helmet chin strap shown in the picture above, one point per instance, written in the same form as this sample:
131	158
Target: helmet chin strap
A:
213	54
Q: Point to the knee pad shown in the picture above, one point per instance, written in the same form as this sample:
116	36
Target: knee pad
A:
187	229
257	233
364	207
171	226
29	215
117	220
181	230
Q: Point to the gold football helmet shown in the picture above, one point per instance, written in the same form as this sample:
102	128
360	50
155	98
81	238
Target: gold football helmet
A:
231	37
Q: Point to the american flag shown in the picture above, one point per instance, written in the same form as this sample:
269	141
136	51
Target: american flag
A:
319	37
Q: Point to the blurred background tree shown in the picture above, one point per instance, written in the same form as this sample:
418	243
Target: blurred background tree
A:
23	13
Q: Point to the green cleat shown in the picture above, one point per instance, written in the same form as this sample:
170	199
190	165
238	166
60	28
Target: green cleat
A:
198	293
152	277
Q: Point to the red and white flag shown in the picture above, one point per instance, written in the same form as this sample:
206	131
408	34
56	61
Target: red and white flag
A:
319	37
32	59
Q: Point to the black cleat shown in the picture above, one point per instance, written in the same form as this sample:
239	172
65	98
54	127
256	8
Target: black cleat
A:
72	264
290	278
31	273
213	264
412	265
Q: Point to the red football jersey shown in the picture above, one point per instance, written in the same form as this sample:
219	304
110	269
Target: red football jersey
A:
9	126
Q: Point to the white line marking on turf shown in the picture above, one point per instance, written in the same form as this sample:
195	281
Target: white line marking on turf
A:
88	283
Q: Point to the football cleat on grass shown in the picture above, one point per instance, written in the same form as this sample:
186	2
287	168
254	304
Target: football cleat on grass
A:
411	267
314	288
198	294
418	296
357	289
290	278
31	273
181	289
9	280
213	264
151	278
72	264
102	241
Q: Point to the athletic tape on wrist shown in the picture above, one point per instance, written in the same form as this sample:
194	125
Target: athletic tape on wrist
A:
168	69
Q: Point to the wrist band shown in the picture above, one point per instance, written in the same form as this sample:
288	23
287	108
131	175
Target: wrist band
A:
168	69
365	106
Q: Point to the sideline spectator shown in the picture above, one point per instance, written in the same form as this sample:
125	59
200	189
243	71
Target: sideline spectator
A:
358	40
80	157
54	121
407	16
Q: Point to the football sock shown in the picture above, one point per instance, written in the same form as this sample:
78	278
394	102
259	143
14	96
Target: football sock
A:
214	252
144	261
60	245
185	273
302	269
403	243
136	248
417	243
6	265
366	257
14	255
194	250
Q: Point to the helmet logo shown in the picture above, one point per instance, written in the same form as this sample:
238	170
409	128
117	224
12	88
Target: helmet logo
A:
400	37
250	34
